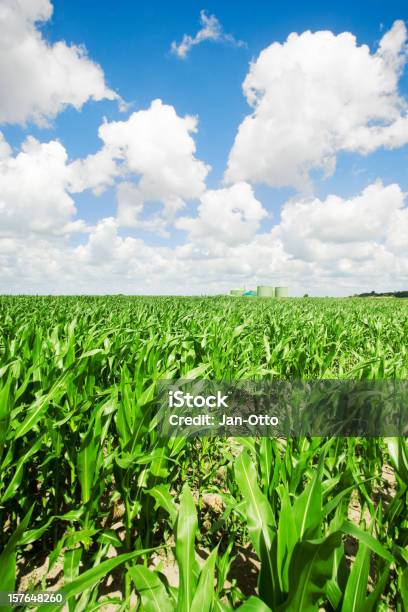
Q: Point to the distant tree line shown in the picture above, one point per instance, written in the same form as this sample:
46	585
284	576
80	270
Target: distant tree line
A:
397	294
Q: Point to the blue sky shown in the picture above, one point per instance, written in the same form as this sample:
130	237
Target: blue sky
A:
131	43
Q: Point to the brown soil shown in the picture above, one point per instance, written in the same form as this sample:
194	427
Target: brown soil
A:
32	571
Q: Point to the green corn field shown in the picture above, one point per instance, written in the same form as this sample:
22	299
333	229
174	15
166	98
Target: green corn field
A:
93	503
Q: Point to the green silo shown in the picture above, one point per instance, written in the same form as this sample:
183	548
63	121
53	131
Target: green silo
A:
281	291
237	292
265	291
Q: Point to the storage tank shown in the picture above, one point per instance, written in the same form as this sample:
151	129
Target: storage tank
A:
237	292
281	291
265	291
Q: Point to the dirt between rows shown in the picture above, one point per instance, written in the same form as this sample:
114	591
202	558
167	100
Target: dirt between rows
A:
33	565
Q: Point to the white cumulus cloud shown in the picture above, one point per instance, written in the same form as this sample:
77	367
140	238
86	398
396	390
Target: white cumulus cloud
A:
39	79
211	30
37	186
228	216
150	157
337	229
131	205
157	145
33	196
305	251
313	96
97	171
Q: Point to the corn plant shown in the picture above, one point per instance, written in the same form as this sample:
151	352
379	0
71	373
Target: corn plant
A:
88	486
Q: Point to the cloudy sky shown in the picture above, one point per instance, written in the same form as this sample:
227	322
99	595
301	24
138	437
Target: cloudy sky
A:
187	148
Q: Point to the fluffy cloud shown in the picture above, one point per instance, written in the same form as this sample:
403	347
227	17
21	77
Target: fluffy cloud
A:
211	30
97	171
41	78
33	184
5	149
111	262
332	246
37	186
313	96
340	232
306	108
154	145
131	206
337	244
305	251
157	145
228	216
